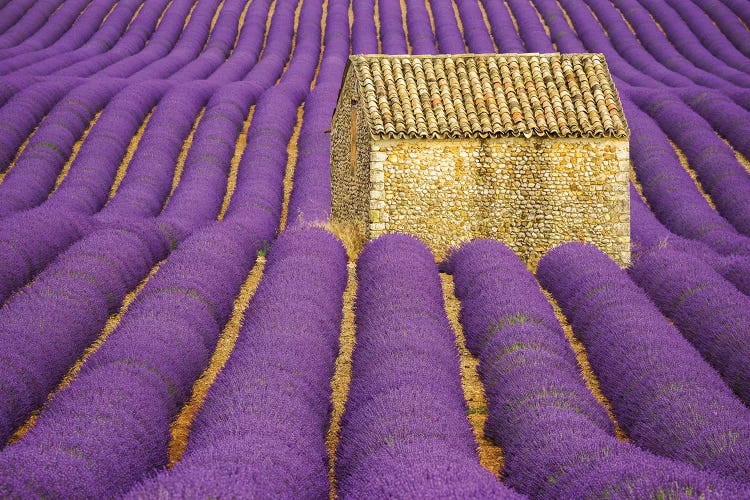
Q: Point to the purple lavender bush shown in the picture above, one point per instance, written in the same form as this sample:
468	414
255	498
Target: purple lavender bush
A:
665	396
404	431
261	431
707	309
109	427
46	326
557	440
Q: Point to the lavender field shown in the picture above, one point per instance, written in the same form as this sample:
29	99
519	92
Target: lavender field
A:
179	318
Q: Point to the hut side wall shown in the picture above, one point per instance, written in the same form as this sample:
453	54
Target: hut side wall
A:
530	193
350	179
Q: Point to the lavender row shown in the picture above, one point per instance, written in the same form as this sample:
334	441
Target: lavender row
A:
557	440
244	54
667	399
501	25
261	431
265	156
404	431
697	38
23	112
671	193
188	46
707	309
530	28
673	46
148	179
310	199
392	35
159	43
447	34
474	30
13	12
364	32
88	184
110	426
648	234
133	41
46	326
726	117
215	48
728	23
419	29
124	25
54	24
717	169
37	168
88	25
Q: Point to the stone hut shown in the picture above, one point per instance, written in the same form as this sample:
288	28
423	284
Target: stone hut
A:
530	149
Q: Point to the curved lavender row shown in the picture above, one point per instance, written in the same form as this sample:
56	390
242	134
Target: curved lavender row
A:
447	34
521	324
647	61
561	33
244	54
159	43
32	239
198	197
671	192
503	32
475	31
594	38
10	86
404	431
189	45
648	234
392	36
719	172
261	430
530	28
13	11
31	22
46	326
364	33
87	186
740	8
727	118
681	41
23	112
709	36
217	47
84	28
664	395
37	168
148	180
133	40
310	199
56	56
265	156
277	49
707	309
729	24
116	413
421	37
556	438
59	22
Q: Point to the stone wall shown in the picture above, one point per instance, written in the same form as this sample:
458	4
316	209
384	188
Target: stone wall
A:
350	180
531	194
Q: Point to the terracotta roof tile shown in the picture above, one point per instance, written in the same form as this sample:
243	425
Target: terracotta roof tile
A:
471	95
